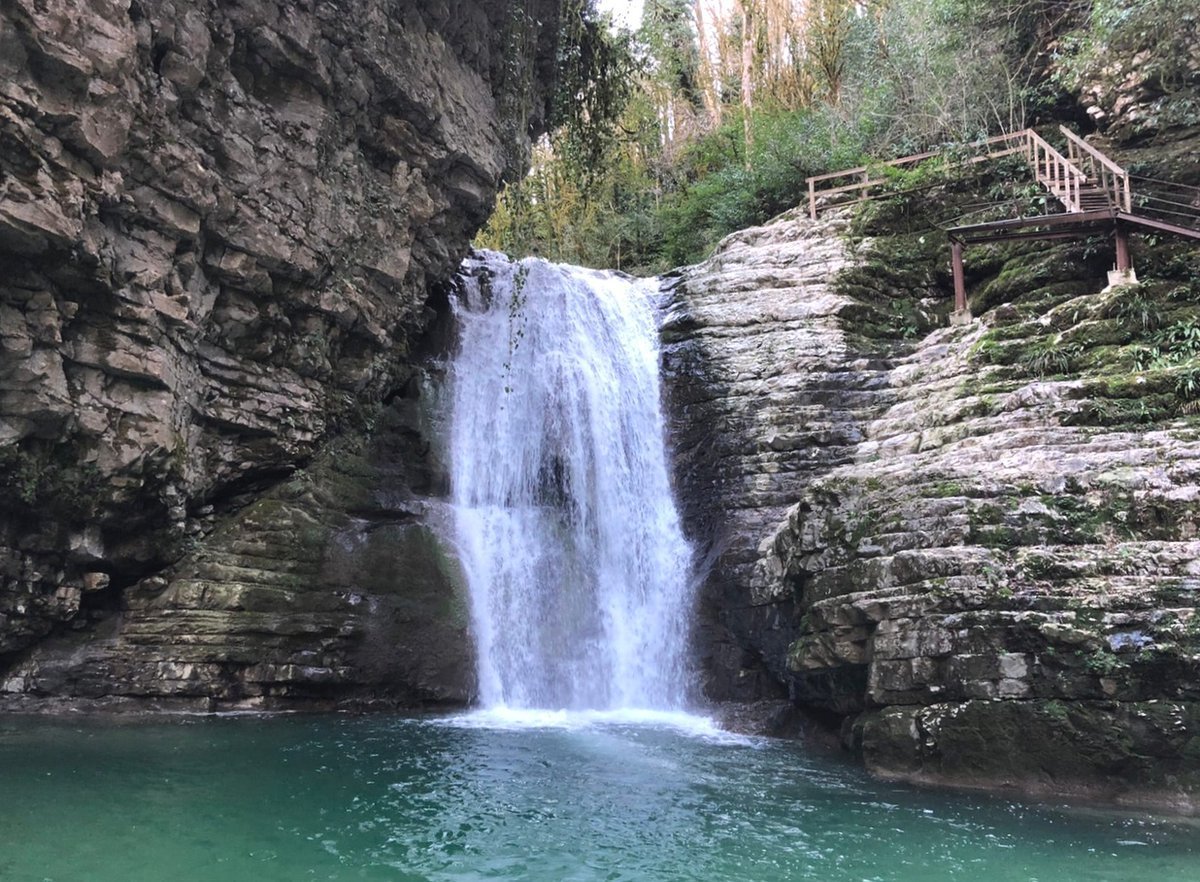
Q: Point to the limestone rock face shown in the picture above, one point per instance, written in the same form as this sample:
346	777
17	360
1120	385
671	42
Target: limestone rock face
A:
764	395
985	575
1132	93
219	225
1009	592
336	588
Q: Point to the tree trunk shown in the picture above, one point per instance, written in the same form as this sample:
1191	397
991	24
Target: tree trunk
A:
708	88
747	75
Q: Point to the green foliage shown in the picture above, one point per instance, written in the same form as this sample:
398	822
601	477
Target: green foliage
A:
1174	344
587	198
596	77
636	193
655	157
1104	663
669	47
1050	359
1187	384
714	191
944	489
609	223
1181	339
41	476
953	70
1135	309
1161	34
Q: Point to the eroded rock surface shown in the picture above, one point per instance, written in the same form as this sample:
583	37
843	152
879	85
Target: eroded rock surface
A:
764	395
1013	592
991	577
219	225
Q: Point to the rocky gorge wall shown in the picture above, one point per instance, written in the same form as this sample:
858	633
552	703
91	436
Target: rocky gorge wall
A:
972	552
220	224
764	394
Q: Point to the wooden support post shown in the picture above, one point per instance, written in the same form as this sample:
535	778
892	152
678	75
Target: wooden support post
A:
812	199
961	315
1124	264
1123	274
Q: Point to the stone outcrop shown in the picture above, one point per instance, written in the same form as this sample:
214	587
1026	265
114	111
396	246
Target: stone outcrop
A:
1015	597
1149	81
990	570
335	588
764	394
219	227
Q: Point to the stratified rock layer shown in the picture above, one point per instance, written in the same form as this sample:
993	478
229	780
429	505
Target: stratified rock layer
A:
336	588
764	395
219	224
990	578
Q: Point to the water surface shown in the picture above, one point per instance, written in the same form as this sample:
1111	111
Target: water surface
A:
541	798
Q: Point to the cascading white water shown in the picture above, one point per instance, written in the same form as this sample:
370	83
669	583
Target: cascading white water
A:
578	568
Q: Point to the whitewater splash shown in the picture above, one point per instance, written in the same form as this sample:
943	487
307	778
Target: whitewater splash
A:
578	568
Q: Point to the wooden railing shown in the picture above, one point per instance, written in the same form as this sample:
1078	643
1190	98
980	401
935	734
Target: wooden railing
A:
1055	172
865	178
1105	175
1095	191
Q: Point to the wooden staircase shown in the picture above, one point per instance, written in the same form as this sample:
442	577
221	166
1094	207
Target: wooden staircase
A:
1094	199
1094	191
1082	180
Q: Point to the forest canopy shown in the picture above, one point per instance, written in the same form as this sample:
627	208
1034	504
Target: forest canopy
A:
714	112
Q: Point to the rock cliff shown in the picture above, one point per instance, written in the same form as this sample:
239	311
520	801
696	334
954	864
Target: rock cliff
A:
764	395
219	227
972	551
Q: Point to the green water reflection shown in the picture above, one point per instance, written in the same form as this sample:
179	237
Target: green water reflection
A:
378	798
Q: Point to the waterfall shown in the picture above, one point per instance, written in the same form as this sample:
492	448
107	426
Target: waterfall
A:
578	569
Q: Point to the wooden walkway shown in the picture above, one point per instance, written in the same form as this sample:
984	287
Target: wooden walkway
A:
1096	195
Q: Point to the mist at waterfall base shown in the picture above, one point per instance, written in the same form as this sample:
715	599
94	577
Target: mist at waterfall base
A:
579	573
